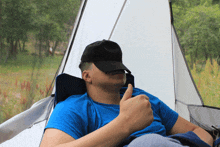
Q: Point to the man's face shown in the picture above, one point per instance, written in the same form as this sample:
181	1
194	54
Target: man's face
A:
99	78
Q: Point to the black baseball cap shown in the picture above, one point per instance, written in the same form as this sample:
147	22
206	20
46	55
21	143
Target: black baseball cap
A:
106	55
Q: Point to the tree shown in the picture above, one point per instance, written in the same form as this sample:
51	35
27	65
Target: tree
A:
1	45
46	19
51	21
198	28
15	23
216	1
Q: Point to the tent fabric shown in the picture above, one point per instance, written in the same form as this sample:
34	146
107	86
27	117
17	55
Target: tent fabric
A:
151	50
185	89
91	29
144	34
37	113
205	117
30	137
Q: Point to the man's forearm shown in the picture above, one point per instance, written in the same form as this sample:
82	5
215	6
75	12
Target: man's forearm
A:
203	135
108	136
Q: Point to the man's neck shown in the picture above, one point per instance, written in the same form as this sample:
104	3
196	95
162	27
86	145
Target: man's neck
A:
104	95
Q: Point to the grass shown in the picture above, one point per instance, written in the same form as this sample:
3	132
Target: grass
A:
25	81
25	61
208	82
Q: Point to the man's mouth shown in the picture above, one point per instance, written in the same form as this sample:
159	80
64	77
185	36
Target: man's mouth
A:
116	72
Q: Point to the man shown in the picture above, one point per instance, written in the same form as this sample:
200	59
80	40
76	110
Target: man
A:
104	117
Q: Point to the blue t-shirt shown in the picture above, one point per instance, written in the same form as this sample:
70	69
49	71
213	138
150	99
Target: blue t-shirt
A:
79	115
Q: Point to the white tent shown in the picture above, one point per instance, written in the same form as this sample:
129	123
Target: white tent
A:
151	50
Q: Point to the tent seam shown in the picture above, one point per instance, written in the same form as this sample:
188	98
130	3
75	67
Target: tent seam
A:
188	68
77	26
117	19
174	79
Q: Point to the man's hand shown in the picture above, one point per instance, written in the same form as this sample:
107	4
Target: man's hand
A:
136	111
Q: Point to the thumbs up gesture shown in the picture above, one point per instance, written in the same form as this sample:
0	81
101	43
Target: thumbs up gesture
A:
135	111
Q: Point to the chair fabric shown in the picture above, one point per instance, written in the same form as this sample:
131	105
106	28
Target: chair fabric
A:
217	143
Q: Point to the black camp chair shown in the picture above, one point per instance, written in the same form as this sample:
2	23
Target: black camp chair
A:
67	85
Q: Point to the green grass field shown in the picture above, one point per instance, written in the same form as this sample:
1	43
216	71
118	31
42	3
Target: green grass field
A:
26	80
208	83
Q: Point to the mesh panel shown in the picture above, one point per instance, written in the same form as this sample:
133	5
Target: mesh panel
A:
205	117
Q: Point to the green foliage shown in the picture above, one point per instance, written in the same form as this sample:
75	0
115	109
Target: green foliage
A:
197	23
208	83
15	23
198	26
15	20
216	1
48	20
51	19
27	62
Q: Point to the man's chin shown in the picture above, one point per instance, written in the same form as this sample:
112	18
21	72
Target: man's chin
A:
119	85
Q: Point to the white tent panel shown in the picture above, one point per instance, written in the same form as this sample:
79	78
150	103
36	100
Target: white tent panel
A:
28	138
182	110
96	24
144	35
185	89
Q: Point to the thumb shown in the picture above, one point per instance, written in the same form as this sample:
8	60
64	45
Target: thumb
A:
128	93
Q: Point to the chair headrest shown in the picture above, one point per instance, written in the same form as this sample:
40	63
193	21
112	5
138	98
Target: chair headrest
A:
67	85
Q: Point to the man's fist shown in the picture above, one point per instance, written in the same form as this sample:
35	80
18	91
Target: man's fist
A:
136	111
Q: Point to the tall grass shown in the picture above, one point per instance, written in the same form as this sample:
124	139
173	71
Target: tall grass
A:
208	82
25	81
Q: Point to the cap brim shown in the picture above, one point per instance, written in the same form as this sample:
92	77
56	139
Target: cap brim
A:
108	66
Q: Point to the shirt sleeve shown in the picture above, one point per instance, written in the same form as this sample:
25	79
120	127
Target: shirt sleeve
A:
168	116
67	119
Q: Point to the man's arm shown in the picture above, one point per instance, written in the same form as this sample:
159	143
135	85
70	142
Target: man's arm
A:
108	136
183	126
53	137
114	132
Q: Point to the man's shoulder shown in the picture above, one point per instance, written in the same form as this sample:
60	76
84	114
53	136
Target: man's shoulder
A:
74	101
138	91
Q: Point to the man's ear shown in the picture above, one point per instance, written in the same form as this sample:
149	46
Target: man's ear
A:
86	76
